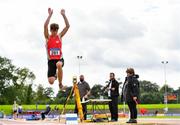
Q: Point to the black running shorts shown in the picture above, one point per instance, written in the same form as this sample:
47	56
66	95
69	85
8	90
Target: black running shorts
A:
52	67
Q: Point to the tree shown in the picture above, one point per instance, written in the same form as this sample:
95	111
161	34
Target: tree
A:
151	98
177	92
96	91
147	86
30	92
40	94
13	82
48	92
149	92
29	97
6	74
62	95
168	88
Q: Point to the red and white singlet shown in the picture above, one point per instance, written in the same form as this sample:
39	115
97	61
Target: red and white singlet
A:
54	48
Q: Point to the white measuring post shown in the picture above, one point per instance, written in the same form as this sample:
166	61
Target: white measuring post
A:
71	119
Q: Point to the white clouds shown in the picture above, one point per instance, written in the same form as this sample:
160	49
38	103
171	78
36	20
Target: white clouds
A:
111	36
110	24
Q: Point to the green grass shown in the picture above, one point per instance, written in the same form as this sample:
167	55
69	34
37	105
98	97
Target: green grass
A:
159	106
8	108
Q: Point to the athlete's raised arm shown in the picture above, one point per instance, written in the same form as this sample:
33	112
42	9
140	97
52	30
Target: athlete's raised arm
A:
63	32
46	33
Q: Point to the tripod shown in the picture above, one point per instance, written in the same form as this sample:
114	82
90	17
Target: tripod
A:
74	90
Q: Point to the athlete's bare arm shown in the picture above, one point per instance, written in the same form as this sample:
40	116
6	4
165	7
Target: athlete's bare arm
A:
46	33
63	32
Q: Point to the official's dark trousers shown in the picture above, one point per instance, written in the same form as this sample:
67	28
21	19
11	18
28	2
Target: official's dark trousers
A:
133	109
84	106
113	107
43	115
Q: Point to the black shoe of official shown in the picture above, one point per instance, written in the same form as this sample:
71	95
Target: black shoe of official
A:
132	121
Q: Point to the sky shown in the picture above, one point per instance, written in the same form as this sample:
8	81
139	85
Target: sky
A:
110	35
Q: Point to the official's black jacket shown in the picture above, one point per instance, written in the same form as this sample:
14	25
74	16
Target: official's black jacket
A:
115	85
130	88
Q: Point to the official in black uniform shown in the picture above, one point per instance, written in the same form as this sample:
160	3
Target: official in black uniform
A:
113	93
130	93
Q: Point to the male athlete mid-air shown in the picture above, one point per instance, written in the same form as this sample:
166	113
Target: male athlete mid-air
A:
54	48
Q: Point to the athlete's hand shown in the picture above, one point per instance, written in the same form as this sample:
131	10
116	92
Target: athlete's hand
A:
62	12
50	11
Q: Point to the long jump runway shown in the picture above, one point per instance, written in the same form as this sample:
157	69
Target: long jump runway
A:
141	121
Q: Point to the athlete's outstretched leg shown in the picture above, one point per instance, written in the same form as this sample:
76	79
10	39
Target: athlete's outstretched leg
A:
60	73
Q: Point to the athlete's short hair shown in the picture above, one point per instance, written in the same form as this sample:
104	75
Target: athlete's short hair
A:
130	71
54	27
